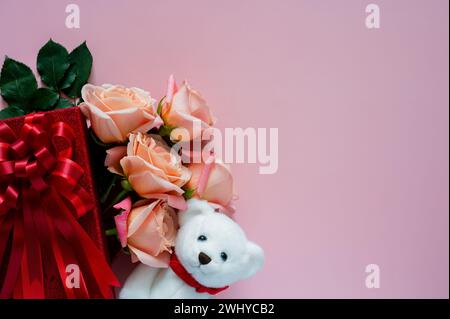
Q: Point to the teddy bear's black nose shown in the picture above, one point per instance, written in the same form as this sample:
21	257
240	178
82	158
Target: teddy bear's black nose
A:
203	258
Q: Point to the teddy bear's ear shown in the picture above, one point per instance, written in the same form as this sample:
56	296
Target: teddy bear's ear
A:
255	260
196	207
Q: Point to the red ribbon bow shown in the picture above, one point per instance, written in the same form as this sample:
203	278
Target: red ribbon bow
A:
40	202
181	272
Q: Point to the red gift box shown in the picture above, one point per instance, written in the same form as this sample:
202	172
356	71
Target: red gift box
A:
51	239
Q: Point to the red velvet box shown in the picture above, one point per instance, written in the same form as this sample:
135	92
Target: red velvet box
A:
90	222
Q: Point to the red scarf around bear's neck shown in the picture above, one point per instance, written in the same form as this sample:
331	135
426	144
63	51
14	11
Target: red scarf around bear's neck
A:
181	272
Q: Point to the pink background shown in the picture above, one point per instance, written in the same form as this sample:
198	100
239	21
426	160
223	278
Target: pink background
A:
362	117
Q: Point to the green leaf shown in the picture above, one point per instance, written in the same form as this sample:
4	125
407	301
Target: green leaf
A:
11	111
109	189
68	78
43	99
63	103
165	130
52	63
111	232
160	105
81	63
126	185
188	193
17	82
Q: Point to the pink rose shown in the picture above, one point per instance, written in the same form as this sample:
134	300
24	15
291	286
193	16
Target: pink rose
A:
151	168
115	111
184	106
212	182
149	230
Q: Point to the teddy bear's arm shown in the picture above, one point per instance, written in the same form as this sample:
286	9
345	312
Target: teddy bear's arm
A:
139	283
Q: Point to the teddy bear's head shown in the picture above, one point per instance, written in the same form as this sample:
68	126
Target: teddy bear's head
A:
213	248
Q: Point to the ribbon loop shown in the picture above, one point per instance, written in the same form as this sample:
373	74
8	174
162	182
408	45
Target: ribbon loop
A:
6	133
63	136
66	174
6	168
4	151
8	200
19	148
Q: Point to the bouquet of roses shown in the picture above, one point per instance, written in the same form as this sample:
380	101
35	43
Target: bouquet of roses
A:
151	178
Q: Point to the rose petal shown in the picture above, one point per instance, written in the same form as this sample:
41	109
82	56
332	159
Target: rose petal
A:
90	95
213	183
147	183
140	214
143	180
113	157
180	101
171	88
174	201
193	125
121	220
103	126
160	261
133	120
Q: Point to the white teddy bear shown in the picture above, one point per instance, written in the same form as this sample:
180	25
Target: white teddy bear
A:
211	252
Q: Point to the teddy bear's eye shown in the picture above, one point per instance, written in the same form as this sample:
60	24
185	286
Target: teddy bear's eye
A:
223	256
202	238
